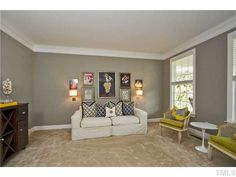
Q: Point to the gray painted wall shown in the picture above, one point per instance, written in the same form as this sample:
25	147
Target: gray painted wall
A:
17	64
52	104
42	78
211	80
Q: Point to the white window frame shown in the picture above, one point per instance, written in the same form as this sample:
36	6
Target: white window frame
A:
178	57
230	37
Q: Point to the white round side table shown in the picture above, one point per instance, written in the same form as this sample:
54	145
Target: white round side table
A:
204	126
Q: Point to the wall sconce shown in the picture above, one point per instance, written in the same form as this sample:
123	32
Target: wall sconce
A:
73	94
139	87
139	92
73	88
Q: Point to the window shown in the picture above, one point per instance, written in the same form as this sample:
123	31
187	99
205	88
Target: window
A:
231	83
182	81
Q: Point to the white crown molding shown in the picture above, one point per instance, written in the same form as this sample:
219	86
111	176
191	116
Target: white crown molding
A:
17	36
74	50
48	127
96	52
213	32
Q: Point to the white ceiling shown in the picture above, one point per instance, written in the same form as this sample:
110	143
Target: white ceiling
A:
155	32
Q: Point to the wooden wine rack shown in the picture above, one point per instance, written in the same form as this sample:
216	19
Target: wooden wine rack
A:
8	133
13	136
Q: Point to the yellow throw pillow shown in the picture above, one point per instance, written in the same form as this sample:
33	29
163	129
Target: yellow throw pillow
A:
234	136
173	111
179	114
179	117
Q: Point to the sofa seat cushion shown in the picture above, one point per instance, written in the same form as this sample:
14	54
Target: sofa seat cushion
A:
95	122
228	143
124	120
171	122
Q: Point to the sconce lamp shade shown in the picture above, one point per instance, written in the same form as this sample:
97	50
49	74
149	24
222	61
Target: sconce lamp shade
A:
139	92
73	93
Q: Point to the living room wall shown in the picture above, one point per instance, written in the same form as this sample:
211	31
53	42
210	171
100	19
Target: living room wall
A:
53	106
211	80
17	64
41	79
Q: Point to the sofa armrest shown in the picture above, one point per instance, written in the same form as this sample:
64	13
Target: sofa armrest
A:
142	115
76	119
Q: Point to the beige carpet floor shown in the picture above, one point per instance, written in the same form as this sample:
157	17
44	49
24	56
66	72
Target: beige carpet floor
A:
55	148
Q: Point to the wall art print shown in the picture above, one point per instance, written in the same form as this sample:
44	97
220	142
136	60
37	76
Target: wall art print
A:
125	94
88	78
125	79
106	84
73	84
88	94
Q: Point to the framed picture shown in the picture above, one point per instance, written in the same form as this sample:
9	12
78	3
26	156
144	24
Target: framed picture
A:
125	79
138	84
88	94
106	84
88	78
125	94
73	84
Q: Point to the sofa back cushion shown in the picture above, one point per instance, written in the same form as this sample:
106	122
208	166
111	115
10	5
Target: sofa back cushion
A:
128	108
89	109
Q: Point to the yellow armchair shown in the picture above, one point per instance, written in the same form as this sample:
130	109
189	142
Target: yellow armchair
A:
224	141
180	126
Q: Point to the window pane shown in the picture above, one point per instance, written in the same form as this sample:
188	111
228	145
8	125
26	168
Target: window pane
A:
182	69
181	95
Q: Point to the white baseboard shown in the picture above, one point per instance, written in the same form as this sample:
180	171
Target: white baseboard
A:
48	127
154	120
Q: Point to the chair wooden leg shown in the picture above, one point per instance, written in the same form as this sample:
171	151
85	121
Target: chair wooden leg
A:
210	149
179	137
188	133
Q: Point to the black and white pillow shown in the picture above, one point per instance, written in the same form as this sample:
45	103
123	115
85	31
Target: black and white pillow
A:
101	111
109	104
89	109
111	112
128	108
118	106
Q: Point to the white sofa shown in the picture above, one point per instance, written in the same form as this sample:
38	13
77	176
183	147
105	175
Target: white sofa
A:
93	127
